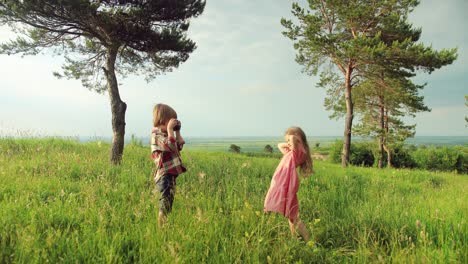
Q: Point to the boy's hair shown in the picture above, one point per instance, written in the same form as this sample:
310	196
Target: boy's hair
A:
162	113
306	167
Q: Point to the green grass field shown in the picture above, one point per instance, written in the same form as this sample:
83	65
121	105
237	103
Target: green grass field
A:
61	201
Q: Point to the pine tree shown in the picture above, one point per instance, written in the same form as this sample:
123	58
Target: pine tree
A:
351	37
101	39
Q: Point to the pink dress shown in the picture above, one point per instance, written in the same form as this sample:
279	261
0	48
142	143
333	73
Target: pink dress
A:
282	195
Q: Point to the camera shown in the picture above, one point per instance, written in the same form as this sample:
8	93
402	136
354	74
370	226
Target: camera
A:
178	126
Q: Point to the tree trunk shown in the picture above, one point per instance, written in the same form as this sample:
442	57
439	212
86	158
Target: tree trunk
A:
348	119
118	108
381	153
382	137
387	149
389	156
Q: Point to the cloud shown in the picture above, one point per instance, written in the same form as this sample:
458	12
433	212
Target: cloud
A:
448	120
241	81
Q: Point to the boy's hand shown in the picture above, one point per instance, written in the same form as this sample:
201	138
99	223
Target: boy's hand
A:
180	139
171	124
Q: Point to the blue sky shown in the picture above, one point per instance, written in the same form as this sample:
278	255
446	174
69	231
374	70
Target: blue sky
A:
241	81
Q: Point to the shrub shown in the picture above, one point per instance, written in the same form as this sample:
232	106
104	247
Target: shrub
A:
462	163
234	148
360	153
335	151
441	159
268	149
401	157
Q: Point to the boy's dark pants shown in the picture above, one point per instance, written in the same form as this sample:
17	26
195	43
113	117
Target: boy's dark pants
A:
166	186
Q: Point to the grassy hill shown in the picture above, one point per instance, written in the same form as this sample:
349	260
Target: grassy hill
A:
61	201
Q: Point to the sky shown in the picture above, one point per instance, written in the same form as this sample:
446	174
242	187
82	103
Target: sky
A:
241	80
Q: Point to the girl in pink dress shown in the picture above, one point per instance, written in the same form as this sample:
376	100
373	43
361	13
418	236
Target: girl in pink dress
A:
282	195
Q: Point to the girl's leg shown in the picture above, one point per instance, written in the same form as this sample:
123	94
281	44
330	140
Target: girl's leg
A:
292	228
299	227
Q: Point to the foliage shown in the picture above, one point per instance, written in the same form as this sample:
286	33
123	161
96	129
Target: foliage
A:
103	39
234	148
380	105
466	98
402	157
358	42
60	201
268	149
149	36
335	151
453	158
361	153
442	159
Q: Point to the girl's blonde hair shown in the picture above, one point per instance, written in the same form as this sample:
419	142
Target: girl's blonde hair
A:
162	113
306	168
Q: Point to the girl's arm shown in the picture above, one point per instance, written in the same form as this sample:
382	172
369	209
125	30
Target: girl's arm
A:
283	147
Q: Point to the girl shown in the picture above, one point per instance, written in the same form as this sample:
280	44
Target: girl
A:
282	195
166	144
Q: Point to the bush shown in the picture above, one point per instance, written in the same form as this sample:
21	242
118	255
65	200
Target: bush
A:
441	159
462	163
234	148
453	158
335	151
401	158
360	153
268	149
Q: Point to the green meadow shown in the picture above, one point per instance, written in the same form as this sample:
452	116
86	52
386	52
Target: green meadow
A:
62	202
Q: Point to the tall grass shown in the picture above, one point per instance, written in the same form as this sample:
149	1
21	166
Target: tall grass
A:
61	201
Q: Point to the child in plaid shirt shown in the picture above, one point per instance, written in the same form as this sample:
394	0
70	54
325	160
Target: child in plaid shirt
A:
166	144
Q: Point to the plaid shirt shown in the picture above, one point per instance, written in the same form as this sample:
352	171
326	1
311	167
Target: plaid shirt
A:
166	155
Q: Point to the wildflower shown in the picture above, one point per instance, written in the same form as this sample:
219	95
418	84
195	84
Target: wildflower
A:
174	248
201	176
316	221
418	224
200	217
